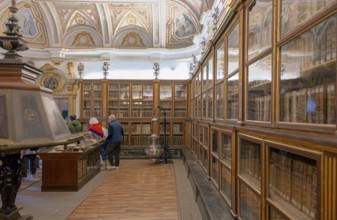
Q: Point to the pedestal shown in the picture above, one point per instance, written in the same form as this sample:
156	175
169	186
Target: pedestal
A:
10	182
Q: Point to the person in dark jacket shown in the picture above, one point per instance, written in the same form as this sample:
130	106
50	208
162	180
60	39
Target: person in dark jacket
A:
114	139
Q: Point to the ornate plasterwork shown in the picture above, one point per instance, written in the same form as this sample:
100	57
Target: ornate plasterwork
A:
110	24
132	40
54	79
73	14
182	25
32	25
83	40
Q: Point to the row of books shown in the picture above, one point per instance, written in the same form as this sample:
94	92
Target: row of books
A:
259	108
310	105
226	181
294	179
250	203
178	140
87	113
140	140
250	161
141	128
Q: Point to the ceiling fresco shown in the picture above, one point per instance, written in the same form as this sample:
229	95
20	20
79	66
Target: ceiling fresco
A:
117	31
109	24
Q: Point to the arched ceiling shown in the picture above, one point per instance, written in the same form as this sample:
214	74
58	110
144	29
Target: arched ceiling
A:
89	29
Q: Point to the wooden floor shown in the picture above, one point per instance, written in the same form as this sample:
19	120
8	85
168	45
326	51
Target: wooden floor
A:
139	190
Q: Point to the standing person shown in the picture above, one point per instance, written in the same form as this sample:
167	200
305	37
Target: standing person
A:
96	128
74	125
29	163
114	139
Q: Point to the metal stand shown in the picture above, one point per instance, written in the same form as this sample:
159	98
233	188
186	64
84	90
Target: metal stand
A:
166	156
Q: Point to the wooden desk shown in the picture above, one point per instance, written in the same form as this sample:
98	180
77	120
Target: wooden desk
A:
69	170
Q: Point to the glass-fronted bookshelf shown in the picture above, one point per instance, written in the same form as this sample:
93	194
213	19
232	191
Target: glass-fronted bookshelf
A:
133	104
180	100
250	167
293	183
119	100
272	146
178	134
140	133
91	99
166	101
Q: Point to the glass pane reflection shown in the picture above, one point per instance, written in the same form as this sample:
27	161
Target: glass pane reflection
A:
308	76
233	49
259	90
260	27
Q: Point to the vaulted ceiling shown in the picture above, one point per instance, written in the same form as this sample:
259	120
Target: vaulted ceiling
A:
109	28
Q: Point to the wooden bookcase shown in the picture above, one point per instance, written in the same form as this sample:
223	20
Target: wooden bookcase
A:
263	110
91	100
135	103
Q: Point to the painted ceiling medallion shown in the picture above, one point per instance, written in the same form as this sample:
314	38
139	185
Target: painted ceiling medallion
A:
84	39
79	19
131	20
132	40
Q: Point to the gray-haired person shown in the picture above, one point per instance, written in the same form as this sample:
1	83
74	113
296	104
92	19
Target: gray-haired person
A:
115	137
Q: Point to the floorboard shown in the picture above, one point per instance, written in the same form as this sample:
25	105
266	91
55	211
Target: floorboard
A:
139	190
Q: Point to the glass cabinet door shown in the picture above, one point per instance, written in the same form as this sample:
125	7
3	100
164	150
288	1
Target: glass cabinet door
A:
180	100
293	183
307	83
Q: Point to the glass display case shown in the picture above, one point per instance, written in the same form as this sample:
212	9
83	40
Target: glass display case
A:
259	90
250	162
293	183
140	133
119	100
259	30
232	97
215	169
219	81
70	168
178	134
307	82
274	102
180	100
166	98
296	12
91	100
209	95
233	44
249	203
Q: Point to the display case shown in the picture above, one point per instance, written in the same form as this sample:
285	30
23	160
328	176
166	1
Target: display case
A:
166	100
119	99
219	81
134	105
180	100
293	183
259	90
71	168
91	99
178	134
140	133
274	101
215	161
307	83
